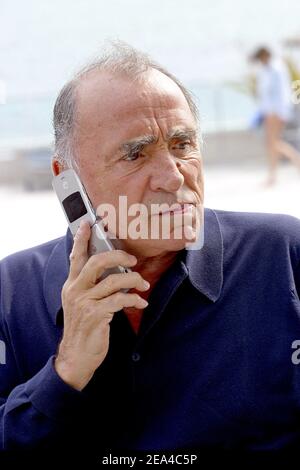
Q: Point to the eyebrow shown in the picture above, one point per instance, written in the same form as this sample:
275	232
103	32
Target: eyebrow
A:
135	145
187	133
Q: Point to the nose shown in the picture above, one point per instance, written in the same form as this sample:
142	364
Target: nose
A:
166	175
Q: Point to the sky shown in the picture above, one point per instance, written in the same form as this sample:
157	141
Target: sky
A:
43	42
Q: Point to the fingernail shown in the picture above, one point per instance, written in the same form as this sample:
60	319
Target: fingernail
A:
144	303
146	284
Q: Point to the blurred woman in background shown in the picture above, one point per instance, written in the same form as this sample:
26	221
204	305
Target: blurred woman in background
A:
275	104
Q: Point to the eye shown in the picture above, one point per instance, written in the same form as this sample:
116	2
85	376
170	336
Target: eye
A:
183	145
132	156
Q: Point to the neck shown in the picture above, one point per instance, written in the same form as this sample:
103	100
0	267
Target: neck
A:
152	268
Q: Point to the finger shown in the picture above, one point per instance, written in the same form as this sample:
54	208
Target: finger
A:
115	282
79	254
120	300
97	264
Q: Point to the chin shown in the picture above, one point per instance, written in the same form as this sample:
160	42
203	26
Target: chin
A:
148	248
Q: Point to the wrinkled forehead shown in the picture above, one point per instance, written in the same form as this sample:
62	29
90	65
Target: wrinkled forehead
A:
102	97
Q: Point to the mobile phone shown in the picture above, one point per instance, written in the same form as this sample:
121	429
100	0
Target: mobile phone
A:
77	206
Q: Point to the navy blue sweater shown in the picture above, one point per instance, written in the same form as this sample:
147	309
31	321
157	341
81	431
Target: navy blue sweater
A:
211	365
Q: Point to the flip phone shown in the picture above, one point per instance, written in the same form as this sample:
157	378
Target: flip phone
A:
77	206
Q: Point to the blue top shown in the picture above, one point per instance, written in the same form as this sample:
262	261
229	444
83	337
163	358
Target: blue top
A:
274	90
211	366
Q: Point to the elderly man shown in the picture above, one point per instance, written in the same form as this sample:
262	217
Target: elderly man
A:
201	350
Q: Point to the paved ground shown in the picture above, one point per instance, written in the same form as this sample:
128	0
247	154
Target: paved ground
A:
30	218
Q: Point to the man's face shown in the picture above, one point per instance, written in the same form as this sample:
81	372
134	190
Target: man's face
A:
139	139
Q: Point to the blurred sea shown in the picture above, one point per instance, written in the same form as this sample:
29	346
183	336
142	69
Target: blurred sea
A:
205	44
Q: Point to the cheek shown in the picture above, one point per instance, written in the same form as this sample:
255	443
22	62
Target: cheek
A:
99	192
193	173
132	187
100	189
133	184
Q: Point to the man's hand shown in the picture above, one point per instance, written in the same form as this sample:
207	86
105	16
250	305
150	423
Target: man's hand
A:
89	307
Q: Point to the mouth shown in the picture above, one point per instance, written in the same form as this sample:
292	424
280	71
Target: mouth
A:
184	207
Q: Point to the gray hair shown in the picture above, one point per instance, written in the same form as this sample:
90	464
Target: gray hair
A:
119	59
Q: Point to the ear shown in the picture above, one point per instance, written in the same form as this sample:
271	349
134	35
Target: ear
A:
56	166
